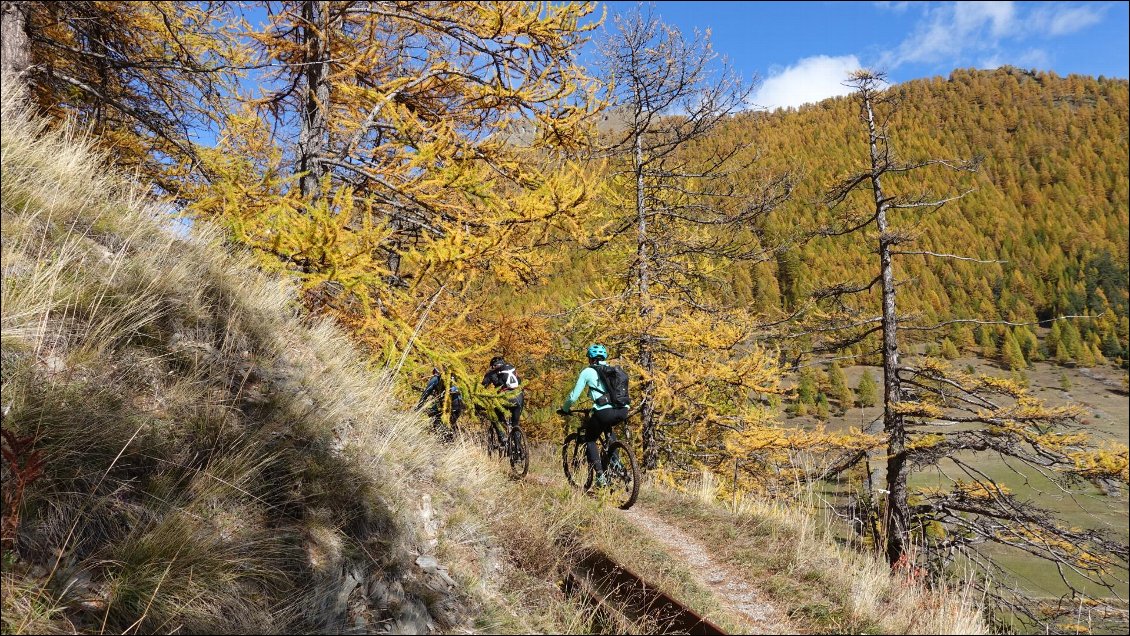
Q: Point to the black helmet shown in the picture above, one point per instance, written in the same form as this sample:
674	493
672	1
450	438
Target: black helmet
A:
495	361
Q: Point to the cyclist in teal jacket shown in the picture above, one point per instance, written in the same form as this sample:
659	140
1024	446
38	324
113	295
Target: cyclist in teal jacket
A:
603	415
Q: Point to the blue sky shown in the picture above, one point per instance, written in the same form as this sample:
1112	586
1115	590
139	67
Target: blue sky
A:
803	51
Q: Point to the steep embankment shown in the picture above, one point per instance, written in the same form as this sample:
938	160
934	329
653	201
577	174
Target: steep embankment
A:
184	452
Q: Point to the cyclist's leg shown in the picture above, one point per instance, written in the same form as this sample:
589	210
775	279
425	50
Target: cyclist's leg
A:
515	413
498	423
592	431
433	412
603	420
516	409
455	413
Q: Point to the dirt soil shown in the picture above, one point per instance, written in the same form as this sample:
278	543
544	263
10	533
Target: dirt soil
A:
730	587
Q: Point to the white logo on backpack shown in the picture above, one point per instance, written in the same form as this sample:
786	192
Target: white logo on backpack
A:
511	378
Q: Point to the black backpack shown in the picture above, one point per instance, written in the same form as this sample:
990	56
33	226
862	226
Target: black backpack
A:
615	381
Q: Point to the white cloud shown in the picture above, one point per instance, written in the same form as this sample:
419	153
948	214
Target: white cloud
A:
971	17
954	34
1060	20
951	29
897	7
808	81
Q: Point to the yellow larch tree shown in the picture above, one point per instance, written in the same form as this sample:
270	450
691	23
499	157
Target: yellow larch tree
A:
676	213
406	161
144	77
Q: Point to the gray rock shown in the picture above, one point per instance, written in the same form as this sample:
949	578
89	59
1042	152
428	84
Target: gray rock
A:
427	563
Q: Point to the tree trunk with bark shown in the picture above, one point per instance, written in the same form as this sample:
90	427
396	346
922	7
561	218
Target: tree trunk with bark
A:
313	140
897	514
15	48
647	363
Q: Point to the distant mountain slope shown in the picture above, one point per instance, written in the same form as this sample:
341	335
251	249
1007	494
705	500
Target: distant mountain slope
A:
1051	197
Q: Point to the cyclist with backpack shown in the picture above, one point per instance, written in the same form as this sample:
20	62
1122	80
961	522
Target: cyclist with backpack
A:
504	377
608	389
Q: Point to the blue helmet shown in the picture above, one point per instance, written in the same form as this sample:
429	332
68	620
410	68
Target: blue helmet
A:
598	351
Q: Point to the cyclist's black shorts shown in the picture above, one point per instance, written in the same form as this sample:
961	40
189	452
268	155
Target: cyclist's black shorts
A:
603	420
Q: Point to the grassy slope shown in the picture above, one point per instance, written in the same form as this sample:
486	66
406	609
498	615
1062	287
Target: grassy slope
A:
199	472
823	587
789	555
214	462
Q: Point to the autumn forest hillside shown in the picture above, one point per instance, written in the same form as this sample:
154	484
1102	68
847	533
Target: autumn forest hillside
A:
1049	201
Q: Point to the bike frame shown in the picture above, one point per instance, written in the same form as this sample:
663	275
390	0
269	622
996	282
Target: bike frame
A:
606	438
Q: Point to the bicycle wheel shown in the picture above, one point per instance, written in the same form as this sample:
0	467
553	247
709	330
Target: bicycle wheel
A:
573	461
623	473
494	449
519	458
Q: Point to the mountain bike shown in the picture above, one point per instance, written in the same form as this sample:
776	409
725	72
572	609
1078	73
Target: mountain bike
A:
619	463
512	447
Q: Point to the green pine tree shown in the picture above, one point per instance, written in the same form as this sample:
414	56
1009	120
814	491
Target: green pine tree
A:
806	389
838	387
1071	344
949	350
823	409
1054	341
986	342
867	391
1012	353
1029	343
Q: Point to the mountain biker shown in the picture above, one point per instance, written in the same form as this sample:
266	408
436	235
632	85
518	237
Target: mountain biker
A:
603	415
457	404
433	390
503	377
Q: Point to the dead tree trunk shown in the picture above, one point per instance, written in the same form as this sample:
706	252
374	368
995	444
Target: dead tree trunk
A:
15	49
647	363
897	514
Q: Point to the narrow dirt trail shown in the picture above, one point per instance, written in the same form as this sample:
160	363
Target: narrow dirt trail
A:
741	596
